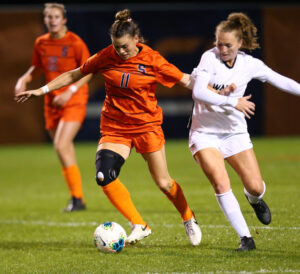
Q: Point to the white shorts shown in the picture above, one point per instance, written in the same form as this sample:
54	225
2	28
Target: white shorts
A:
227	143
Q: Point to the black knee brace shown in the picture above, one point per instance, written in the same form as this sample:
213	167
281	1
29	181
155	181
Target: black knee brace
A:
108	166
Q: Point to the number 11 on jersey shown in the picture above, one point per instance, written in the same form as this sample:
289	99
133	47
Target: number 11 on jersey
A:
125	80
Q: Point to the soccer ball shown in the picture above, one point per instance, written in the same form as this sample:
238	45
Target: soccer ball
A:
110	237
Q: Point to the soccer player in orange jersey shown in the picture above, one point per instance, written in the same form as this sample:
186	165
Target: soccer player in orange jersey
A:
56	52
131	118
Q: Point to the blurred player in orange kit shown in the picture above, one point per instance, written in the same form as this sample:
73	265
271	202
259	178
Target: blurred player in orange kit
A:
56	52
131	118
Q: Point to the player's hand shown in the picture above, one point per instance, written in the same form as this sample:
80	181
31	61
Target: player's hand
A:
229	89
21	97
20	87
61	99
246	106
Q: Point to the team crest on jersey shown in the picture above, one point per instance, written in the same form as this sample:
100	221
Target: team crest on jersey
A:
52	63
142	68
64	51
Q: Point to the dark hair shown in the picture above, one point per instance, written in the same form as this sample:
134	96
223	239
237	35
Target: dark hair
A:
124	25
243	27
57	6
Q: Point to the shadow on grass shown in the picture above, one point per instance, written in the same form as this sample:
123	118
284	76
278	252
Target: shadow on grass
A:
183	252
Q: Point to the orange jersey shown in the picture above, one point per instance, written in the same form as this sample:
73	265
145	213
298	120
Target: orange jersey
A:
55	57
130	104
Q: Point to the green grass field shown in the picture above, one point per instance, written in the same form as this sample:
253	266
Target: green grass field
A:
36	237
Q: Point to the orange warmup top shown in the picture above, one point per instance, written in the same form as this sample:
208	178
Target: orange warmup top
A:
130	104
55	57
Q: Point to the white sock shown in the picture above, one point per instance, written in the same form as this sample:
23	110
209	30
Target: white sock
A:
232	211
254	199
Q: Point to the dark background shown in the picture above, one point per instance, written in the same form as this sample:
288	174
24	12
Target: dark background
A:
181	32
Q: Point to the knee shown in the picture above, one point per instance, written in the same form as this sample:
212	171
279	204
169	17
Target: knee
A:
220	188
164	184
108	166
255	187
219	182
60	146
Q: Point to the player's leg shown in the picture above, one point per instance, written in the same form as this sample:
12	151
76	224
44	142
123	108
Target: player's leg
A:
109	159
63	125
246	166
151	145
212	163
63	140
209	151
157	165
159	171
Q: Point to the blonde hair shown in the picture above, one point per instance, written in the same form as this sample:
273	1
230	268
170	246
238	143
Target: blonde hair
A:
243	27
125	25
57	6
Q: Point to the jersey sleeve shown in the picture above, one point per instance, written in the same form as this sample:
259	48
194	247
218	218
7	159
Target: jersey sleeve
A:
91	65
259	70
283	83
166	73
201	75
265	74
82	52
205	66
36	58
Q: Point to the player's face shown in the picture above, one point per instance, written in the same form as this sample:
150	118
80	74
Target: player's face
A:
228	46
125	46
54	20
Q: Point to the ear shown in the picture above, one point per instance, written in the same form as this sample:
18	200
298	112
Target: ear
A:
240	43
65	21
136	38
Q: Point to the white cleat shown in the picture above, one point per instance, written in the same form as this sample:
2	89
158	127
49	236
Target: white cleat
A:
193	231
138	233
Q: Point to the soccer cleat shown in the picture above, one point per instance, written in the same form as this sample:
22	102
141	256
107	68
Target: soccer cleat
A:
247	243
262	211
193	231
75	204
138	233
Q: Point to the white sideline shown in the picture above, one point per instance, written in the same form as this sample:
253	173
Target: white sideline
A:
71	224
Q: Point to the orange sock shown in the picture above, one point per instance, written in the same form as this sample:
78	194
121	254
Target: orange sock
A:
176	196
73	180
119	196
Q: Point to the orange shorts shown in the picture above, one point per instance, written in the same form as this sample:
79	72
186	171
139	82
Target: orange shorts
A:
72	113
143	142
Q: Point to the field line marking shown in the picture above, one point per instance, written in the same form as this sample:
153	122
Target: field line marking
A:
76	224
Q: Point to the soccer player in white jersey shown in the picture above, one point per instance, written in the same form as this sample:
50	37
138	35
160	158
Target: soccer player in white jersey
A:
219	132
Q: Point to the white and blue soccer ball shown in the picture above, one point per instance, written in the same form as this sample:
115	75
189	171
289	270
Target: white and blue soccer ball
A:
109	237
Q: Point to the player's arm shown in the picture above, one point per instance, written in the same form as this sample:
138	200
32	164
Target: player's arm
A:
74	87
62	80
202	94
283	83
32	73
188	82
61	99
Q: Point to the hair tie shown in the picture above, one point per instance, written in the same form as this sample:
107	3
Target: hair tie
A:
127	20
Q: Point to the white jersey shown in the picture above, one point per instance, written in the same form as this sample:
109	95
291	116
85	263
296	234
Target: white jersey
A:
222	117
